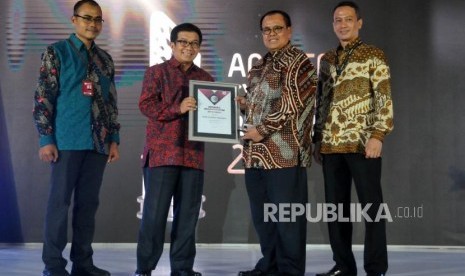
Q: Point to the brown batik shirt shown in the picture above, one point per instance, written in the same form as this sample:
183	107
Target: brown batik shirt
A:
280	103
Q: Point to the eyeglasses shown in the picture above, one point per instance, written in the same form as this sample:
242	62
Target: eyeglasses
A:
184	43
275	29
90	19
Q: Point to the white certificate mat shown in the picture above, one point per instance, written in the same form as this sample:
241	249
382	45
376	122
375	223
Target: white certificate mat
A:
216	117
213	107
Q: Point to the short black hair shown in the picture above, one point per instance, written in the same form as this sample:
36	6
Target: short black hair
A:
82	2
349	4
185	27
287	18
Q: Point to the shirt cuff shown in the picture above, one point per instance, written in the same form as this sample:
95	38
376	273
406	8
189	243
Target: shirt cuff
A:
377	135
114	138
46	140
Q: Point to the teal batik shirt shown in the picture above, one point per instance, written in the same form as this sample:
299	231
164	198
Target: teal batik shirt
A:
63	115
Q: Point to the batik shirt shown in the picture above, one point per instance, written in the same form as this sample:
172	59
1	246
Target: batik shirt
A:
164	87
357	104
63	115
280	104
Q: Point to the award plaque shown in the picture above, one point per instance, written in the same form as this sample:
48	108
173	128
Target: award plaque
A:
216	117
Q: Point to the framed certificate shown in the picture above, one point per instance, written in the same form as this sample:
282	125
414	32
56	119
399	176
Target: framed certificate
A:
216	118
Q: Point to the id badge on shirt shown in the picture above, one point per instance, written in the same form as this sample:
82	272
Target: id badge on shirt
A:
87	88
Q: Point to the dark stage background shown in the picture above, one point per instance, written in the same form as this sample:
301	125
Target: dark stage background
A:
423	161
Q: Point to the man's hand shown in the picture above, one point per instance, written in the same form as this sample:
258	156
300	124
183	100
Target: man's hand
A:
373	148
188	104
113	154
48	153
252	134
317	154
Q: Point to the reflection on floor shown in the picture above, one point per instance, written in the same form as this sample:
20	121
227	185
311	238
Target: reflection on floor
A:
227	259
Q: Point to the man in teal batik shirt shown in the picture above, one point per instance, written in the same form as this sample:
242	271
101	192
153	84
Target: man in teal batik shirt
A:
75	114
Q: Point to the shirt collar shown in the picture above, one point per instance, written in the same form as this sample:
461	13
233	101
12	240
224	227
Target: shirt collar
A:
79	44
276	55
349	45
175	63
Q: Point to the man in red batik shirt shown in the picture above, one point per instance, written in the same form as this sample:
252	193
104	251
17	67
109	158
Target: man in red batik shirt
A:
172	165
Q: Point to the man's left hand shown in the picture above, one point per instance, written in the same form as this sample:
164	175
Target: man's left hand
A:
113	154
373	148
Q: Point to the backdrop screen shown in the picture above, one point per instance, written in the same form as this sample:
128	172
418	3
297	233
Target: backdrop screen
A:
423	159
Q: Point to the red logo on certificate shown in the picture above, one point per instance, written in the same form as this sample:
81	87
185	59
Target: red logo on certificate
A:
215	96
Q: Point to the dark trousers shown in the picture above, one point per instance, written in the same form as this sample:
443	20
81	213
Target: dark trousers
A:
185	185
339	170
81	172
282	243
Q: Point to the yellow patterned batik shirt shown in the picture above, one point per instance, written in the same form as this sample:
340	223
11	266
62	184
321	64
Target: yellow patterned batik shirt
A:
355	104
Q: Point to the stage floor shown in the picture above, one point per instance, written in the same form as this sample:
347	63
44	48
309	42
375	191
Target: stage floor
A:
228	259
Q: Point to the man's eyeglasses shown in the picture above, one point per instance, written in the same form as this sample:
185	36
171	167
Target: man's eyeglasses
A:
275	29
184	43
90	19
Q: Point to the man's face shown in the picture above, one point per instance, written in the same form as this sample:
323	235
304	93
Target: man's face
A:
346	25
186	47
88	23
279	34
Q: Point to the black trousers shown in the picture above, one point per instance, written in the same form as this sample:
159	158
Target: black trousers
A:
185	186
81	172
338	171
282	243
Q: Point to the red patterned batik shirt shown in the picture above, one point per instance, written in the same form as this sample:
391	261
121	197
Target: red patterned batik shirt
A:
165	86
